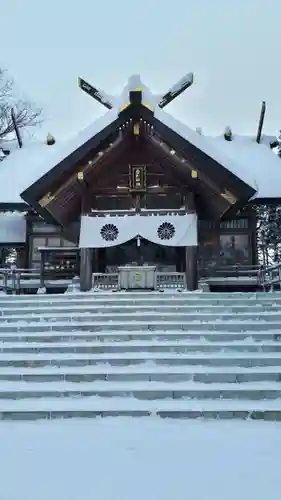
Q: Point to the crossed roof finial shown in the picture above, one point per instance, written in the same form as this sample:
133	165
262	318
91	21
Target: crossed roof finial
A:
160	100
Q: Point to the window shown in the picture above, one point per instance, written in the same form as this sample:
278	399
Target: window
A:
35	243
53	241
227	224
235	224
67	243
234	249
42	227
45	241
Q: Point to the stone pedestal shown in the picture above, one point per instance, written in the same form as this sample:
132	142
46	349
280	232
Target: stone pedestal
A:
191	271
85	269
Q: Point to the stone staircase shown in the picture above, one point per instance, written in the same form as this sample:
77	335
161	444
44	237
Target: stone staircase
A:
180	355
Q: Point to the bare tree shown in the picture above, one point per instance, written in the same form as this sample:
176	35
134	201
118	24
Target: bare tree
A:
25	112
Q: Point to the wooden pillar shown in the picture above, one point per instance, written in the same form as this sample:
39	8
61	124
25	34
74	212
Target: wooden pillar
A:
191	271
180	259
21	257
28	247
102	260
95	260
85	269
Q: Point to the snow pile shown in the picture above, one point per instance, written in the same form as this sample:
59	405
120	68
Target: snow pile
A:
128	459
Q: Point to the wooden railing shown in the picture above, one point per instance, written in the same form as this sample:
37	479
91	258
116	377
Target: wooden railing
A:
237	270
13	280
269	278
170	280
10	279
106	281
163	280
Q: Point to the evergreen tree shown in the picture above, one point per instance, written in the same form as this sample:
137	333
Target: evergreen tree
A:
269	233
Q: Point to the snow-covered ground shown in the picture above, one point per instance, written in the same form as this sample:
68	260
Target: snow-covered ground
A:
140	459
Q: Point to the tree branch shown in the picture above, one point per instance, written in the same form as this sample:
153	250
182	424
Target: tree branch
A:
26	113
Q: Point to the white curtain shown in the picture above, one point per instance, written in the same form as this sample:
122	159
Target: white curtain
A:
107	231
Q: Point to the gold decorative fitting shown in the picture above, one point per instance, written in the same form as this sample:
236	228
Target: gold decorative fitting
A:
136	129
80	176
50	140
194	174
227	195
148	107
46	200
138	178
124	107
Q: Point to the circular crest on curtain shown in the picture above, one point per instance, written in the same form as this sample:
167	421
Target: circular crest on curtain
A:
109	232
166	231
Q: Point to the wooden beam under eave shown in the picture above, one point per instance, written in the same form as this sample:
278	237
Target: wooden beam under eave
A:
70	191
218	201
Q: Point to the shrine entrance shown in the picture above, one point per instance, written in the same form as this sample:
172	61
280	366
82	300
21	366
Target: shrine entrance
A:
139	251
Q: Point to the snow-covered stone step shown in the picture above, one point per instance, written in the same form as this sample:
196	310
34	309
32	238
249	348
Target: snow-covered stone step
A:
141	390
184	346
146	372
140	308
150	298
118	359
139	335
85	317
131	352
161	325
136	294
51	408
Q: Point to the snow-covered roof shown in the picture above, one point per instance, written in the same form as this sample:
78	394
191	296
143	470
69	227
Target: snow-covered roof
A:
25	166
12	228
265	139
257	165
251	162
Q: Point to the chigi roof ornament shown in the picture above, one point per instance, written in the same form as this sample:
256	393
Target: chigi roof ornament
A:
136	87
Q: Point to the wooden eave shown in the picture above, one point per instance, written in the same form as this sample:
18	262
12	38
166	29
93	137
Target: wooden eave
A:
61	172
265	201
209	201
216	186
65	203
14	207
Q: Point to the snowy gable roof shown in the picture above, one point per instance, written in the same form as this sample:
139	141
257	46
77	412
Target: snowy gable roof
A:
258	165
247	160
251	162
27	165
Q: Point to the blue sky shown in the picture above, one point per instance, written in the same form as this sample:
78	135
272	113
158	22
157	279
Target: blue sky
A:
232	48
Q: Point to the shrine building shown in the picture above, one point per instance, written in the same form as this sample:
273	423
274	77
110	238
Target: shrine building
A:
136	187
